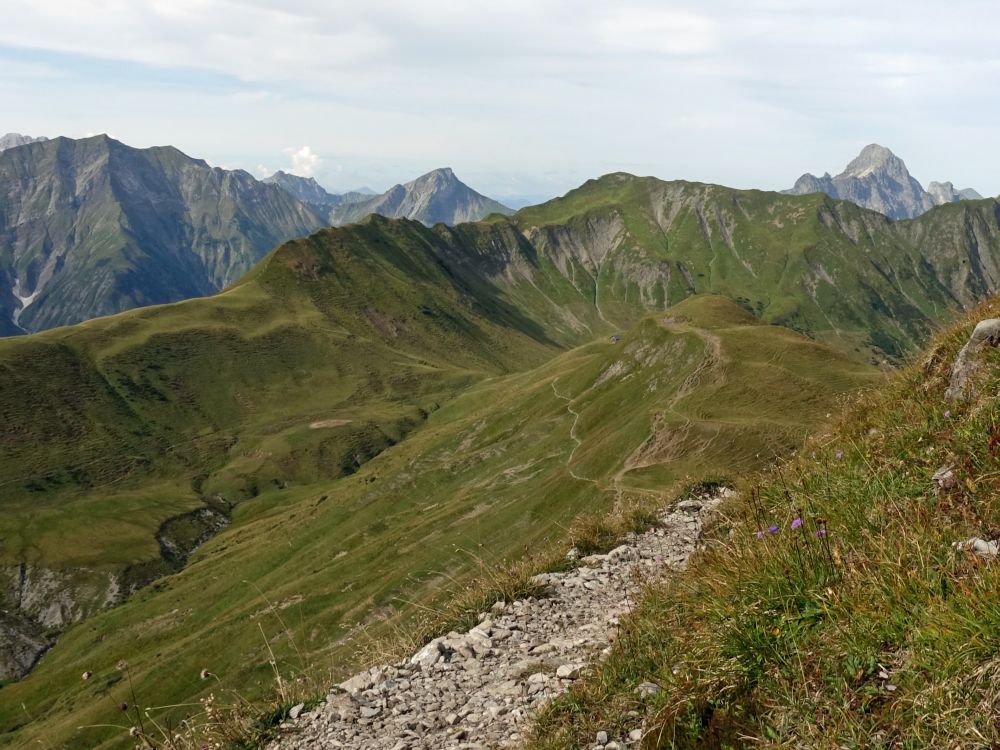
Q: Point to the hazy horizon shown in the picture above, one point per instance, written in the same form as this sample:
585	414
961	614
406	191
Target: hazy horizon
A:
528	100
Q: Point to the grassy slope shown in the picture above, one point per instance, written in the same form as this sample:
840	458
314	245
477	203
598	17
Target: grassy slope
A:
884	636
153	412
845	275
490	476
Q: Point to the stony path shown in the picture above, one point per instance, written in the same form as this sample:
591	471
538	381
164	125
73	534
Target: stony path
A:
480	689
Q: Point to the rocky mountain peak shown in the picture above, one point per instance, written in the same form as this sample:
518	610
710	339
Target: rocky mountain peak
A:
875	158
10	140
946	192
305	189
879	180
438	196
443	176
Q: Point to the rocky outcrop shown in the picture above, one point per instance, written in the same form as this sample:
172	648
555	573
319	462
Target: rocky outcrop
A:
482	687
945	192
12	140
961	386
37	603
306	189
879	180
436	197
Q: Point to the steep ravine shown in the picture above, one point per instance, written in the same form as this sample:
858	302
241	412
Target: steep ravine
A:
38	603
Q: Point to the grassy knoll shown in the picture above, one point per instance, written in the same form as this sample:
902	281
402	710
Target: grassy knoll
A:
500	472
863	627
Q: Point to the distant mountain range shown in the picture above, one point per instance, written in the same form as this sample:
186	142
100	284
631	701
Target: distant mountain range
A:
879	180
93	227
16	139
436	197
307	190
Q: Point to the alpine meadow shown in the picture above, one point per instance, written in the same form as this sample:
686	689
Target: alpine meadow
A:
618	462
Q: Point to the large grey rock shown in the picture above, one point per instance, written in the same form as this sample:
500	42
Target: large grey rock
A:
981	547
967	364
38	603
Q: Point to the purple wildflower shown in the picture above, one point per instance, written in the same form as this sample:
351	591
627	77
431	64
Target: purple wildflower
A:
796	523
820	533
773	529
840	455
947	414
760	534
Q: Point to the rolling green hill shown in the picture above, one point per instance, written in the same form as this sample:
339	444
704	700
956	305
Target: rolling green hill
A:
127	439
504	467
864	624
842	274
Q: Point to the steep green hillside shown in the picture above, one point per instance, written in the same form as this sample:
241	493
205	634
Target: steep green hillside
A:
848	276
501	470
92	227
127	440
862	623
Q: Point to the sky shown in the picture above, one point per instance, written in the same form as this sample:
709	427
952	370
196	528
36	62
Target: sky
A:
522	98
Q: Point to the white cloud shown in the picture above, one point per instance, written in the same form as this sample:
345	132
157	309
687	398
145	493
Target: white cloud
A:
304	161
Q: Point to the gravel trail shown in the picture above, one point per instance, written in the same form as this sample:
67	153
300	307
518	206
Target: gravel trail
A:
480	689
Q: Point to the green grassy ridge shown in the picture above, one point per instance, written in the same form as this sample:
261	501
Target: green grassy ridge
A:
486	478
840	273
880	634
220	393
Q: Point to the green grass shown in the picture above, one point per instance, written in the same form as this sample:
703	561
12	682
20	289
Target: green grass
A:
468	409
485	482
842	274
879	634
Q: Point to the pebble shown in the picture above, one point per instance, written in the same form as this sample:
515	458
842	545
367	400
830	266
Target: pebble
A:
482	688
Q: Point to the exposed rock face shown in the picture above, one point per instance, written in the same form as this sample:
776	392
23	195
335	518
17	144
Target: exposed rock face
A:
985	335
879	180
481	688
945	192
16	139
437	196
37	603
306	189
92	227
